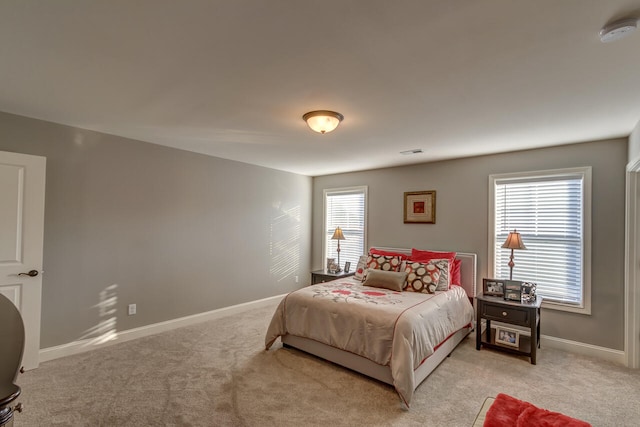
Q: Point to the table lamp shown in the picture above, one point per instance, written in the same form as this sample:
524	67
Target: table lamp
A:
514	241
337	235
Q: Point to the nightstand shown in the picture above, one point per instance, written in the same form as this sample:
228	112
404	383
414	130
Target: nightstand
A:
321	276
513	313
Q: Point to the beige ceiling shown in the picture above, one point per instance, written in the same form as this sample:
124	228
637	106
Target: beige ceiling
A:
232	78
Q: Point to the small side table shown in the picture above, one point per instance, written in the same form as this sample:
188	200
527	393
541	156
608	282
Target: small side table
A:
513	313
321	276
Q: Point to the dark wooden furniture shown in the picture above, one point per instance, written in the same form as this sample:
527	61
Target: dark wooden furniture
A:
321	276
513	313
11	349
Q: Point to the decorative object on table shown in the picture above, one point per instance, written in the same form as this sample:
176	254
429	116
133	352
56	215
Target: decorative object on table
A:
337	235
420	207
507	336
493	287
513	290
331	264
514	241
323	121
347	266
528	292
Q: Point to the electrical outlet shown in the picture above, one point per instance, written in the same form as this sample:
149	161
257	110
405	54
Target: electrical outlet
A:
132	309
296	279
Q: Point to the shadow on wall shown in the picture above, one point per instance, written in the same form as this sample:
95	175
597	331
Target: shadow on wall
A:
105	330
284	241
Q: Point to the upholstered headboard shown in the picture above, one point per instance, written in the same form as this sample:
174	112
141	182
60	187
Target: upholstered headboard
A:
468	269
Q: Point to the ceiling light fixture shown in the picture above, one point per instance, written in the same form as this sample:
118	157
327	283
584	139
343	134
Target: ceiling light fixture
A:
323	121
618	29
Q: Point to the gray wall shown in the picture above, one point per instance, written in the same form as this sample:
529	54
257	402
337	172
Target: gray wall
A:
175	232
462	221
634	144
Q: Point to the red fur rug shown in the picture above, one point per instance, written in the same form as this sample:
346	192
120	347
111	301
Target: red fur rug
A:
508	411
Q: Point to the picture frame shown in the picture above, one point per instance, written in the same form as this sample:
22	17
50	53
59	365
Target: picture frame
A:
420	207
507	336
528	292
331	265
513	290
347	266
493	287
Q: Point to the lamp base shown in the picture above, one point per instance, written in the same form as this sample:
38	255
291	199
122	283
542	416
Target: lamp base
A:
511	265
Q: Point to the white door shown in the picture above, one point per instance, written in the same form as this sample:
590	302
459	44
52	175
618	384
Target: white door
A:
22	179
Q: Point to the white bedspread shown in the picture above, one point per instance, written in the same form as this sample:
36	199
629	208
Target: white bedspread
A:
395	329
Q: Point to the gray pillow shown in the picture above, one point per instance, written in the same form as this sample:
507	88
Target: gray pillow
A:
392	280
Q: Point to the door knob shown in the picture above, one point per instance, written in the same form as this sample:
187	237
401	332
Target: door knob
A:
32	273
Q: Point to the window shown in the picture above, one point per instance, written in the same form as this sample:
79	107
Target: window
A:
552	212
345	208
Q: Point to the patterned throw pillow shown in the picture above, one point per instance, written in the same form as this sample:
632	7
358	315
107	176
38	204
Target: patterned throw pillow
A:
382	262
362	266
422	277
424	256
443	265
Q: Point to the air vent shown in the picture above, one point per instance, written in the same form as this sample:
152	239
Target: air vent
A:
409	152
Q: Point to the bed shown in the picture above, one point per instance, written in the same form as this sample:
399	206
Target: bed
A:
398	338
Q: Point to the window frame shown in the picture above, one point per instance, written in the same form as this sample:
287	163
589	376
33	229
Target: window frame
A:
585	172
361	188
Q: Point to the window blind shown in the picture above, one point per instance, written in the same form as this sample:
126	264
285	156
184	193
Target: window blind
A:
345	209
549	214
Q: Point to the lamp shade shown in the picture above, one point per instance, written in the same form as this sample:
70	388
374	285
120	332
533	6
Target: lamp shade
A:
514	241
337	235
323	121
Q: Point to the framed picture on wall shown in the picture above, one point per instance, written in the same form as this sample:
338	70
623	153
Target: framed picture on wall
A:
420	207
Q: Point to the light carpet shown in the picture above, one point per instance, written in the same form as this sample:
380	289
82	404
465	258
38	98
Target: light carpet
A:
218	374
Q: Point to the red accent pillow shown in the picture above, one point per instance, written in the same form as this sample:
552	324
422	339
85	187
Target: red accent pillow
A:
454	264
455	273
375	251
508	411
418	255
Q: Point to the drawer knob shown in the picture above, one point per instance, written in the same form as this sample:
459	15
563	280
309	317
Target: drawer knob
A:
504	313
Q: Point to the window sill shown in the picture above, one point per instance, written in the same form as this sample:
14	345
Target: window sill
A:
571	308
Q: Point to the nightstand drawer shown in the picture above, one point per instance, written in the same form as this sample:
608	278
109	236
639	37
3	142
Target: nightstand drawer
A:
507	314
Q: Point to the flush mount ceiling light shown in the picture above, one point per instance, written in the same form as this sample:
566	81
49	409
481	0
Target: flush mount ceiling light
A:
618	29
323	121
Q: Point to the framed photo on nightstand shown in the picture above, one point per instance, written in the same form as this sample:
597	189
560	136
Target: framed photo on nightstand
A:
507	336
347	266
513	290
493	287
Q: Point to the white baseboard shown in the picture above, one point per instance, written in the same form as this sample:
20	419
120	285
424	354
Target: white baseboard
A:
81	346
609	354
